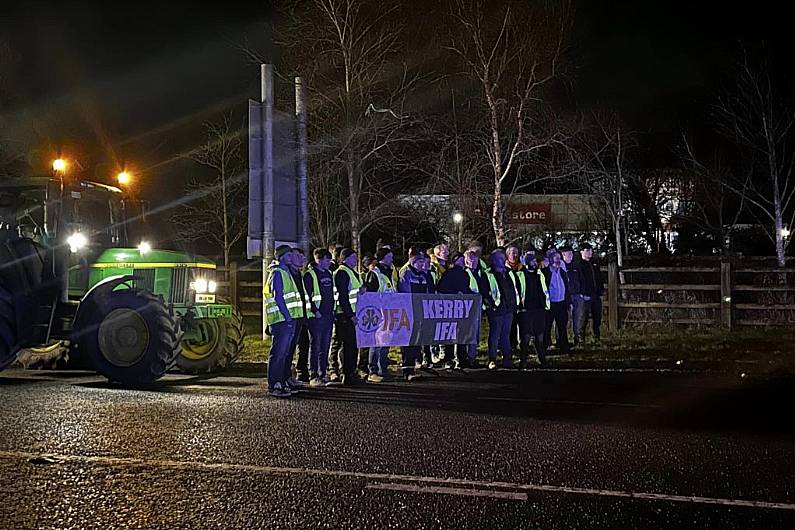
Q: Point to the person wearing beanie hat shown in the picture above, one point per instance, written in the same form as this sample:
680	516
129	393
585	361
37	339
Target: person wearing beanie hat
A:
588	305
301	338
348	285
500	297
319	285
532	315
455	281
378	279
282	307
413	279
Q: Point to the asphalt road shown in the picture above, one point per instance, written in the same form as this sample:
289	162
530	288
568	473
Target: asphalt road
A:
545	449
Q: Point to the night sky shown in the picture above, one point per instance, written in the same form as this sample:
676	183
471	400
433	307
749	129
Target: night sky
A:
131	83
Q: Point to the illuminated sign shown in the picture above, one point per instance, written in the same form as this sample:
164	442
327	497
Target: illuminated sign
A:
529	214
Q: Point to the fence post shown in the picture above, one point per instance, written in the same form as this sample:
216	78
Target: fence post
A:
612	296
233	283
726	295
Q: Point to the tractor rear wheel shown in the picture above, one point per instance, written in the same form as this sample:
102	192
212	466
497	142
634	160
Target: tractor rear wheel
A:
220	344
129	336
8	328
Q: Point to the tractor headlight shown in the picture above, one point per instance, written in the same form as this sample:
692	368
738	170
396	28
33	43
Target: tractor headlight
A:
199	285
211	286
77	241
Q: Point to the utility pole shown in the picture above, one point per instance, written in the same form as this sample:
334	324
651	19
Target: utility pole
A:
303	189
266	77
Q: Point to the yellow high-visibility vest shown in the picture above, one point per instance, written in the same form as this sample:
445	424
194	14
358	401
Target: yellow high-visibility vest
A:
292	297
385	284
353	290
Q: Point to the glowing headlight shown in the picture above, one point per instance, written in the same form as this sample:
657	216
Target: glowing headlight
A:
144	247
77	241
200	285
211	286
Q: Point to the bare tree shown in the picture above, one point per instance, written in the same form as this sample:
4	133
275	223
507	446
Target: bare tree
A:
604	171
511	52
358	98
755	118
216	209
710	205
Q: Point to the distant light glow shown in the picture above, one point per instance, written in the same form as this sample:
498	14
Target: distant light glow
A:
59	164
785	233
211	286
458	217
144	247
77	241
124	178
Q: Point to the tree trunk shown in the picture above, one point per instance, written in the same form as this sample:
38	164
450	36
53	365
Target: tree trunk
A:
780	258
619	250
496	216
354	186
496	153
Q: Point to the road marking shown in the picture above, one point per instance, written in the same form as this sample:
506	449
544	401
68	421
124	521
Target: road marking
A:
569	402
385	477
464	492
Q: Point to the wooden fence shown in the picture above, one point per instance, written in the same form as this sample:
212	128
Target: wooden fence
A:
716	294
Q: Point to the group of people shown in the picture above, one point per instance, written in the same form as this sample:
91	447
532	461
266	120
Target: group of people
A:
311	308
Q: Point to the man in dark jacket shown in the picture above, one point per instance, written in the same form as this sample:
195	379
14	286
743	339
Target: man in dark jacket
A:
319	285
455	280
348	285
475	274
590	296
301	337
499	296
414	280
532	313
557	287
335	351
379	280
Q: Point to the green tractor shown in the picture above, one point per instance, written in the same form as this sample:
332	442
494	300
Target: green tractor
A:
72	287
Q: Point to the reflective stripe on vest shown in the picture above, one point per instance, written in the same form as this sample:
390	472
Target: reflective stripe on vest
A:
473	282
521	288
292	298
384	283
316	296
544	286
355	285
494	289
307	300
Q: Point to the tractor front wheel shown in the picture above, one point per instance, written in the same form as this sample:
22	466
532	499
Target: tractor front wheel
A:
213	346
129	336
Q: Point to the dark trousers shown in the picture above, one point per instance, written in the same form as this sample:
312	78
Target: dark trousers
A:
456	353
300	324
583	311
281	339
347	335
363	363
532	328
302	368
515	333
335	351
500	336
596	315
320	333
559	314
410	355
